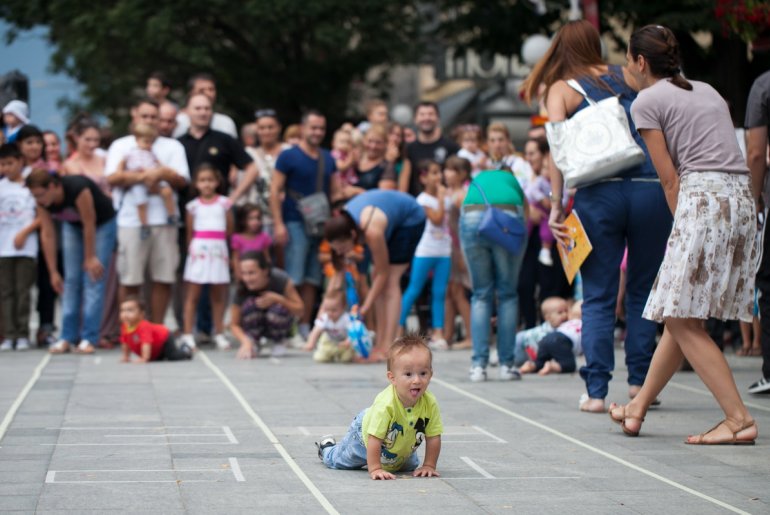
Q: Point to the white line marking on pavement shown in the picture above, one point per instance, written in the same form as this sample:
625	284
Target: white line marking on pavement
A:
140	481
97	360
275	361
485	432
517	478
472	464
323	501
303	430
156	428
229	433
589	447
443	441
707	393
50	476
137	443
164	436
23	395
236	468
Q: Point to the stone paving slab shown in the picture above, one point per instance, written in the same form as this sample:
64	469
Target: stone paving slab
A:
98	436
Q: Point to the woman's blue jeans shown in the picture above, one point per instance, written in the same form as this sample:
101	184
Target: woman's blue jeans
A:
615	214
494	275
81	294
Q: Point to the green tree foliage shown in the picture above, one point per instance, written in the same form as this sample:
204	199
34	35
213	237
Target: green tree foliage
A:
285	54
494	26
502	25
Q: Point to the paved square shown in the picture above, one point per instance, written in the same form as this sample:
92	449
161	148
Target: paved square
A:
217	435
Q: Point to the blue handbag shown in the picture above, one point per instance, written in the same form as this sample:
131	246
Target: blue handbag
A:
500	228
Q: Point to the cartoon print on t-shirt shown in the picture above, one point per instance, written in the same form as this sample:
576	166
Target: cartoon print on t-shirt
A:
388	457
419	429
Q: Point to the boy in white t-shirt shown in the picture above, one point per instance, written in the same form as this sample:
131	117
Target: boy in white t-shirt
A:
330	331
18	249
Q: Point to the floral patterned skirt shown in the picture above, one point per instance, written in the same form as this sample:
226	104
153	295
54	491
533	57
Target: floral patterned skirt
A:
711	255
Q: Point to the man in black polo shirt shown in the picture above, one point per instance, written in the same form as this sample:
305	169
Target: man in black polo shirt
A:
205	145
430	144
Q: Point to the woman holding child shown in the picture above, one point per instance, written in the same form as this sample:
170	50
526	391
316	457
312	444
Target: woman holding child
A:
628	209
710	261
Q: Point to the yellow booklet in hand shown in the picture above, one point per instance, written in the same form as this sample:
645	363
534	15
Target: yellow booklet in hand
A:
572	256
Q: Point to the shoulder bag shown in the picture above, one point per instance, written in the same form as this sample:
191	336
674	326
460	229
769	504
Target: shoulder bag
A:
595	144
499	227
315	207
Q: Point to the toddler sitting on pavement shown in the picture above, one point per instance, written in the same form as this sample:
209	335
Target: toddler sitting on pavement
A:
330	331
555	311
556	351
385	436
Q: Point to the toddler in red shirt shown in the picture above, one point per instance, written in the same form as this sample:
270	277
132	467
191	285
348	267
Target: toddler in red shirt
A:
151	342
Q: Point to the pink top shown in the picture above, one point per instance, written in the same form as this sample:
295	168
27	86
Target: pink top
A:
244	243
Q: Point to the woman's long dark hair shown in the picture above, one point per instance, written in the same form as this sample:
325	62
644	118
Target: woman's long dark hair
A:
660	49
340	226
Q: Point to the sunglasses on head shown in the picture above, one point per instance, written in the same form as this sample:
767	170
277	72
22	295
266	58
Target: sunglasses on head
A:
261	113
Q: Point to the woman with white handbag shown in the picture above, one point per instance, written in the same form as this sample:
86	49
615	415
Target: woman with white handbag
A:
619	198
711	256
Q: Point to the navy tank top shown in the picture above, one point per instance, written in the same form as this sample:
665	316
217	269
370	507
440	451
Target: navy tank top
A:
614	79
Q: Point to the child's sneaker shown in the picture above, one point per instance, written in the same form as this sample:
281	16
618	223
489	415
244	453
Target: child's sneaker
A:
544	257
187	350
279	350
189	340
326	441
144	232
222	342
22	344
6	345
477	375
509	373
438	345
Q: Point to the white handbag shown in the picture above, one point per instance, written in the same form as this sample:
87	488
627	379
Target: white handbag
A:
594	144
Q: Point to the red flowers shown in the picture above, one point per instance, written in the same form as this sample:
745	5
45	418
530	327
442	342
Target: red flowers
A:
746	18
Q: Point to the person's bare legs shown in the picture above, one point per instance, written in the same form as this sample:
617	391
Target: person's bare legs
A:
159	299
389	312
449	316
190	303
308	293
464	308
218	296
666	360
711	366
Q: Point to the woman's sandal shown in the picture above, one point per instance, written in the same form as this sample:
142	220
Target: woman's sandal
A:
734	440
60	347
622	420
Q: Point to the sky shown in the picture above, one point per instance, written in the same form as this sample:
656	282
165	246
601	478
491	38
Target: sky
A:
30	54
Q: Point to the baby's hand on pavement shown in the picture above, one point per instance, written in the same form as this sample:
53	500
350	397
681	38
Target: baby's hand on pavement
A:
426	471
381	474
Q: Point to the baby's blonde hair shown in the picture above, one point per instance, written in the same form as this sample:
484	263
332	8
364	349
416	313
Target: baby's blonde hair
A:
144	130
